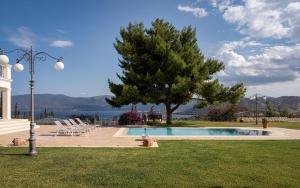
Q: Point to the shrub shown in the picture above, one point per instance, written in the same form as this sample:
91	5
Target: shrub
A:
227	113
130	118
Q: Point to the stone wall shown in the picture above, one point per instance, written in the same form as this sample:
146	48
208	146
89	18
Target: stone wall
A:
270	119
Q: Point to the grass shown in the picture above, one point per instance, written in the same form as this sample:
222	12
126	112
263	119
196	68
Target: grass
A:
173	164
195	123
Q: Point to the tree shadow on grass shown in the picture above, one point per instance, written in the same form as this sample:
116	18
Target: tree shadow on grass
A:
14	154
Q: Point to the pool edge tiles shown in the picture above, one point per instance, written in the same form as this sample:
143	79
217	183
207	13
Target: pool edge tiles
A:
276	134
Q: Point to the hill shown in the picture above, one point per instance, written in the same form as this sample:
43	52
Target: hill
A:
66	103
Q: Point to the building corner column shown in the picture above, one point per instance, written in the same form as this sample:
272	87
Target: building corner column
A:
6	103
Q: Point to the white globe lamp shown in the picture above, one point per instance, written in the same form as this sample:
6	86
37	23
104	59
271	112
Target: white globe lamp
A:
4	59
18	67
59	66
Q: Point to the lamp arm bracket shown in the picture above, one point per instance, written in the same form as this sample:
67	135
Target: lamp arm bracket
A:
15	50
46	54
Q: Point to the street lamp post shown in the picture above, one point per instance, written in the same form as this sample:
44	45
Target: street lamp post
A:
256	110
256	106
31	57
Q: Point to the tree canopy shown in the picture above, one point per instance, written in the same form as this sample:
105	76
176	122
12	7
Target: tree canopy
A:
164	65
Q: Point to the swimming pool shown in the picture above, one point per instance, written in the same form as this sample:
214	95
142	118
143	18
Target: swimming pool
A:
172	131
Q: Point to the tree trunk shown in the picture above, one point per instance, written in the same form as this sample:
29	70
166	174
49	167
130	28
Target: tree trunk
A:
169	114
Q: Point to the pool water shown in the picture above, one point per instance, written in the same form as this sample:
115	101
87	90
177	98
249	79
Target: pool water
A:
195	132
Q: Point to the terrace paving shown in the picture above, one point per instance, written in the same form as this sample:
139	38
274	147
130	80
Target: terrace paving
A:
46	137
116	137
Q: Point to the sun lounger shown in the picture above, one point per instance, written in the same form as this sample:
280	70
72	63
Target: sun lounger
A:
82	123
62	130
76	128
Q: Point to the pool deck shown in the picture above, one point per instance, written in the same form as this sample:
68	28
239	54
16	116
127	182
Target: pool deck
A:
99	137
116	137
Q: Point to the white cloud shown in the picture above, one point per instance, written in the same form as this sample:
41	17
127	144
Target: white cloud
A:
271	64
288	88
214	3
196	11
272	67
233	59
24	37
61	43
220	4
293	7
61	31
263	18
234	14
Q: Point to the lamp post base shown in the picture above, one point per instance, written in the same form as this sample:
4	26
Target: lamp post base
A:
32	144
32	154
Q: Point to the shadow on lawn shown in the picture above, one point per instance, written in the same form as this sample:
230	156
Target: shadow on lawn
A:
14	154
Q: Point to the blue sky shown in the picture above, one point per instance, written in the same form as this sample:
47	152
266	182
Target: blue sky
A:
257	40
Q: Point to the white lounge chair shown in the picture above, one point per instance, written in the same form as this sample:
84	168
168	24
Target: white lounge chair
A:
74	127
88	129
63	130
82	123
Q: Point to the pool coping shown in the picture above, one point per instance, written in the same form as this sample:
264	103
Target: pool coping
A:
276	134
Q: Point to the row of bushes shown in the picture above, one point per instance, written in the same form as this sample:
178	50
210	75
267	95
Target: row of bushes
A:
222	113
215	113
130	118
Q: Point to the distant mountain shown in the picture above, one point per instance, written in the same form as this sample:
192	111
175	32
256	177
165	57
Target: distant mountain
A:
66	103
287	103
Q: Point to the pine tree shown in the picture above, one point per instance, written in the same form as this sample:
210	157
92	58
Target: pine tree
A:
16	110
163	65
51	114
45	113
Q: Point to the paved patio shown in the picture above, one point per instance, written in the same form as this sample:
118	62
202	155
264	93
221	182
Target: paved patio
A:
100	137
116	137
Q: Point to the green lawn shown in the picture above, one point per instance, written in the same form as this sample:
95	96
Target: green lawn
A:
194	123
173	164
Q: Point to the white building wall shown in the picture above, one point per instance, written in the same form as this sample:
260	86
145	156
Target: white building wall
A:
6	104
5	84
